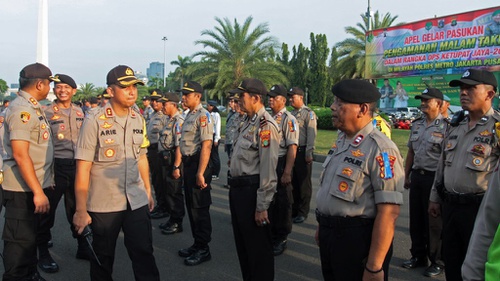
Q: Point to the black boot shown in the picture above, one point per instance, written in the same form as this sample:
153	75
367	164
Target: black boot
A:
45	262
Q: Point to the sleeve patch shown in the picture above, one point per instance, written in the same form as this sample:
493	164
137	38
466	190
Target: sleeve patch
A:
25	117
265	138
203	121
386	163
292	126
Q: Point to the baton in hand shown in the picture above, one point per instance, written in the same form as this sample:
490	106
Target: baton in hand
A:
87	234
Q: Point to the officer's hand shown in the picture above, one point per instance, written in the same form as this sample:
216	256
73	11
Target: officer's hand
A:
81	220
367	276
309	160
200	181
41	202
151	202
316	236
286	179
434	209
176	173
261	218
216	143
407	182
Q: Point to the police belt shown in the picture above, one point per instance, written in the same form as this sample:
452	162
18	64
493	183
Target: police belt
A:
65	161
342	222
187	160
424	172
464	198
244	181
153	146
301	148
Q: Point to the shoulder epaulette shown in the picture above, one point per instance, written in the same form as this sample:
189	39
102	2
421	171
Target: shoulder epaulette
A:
263	121
418	118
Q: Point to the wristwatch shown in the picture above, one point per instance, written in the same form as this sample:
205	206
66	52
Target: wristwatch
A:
176	167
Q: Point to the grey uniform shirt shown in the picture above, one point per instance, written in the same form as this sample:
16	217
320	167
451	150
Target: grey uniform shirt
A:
65	128
255	152
485	228
426	141
147	113
359	174
170	135
197	127
156	123
114	145
307	128
289	130
231	127
26	121
469	157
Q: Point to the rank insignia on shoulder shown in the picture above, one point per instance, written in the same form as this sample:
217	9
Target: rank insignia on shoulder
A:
265	138
358	139
263	121
33	101
109	112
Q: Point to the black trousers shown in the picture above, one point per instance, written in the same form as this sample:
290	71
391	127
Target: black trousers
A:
64	176
280	210
302	185
137	230
253	243
156	177
173	194
344	244
198	201
19	236
215	160
422	242
458	223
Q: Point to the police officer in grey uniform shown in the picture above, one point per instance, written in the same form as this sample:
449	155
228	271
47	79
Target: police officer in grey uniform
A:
302	185
28	170
112	187
148	110
470	154
253	183
171	164
361	190
231	129
156	123
425	145
281	208
65	119
196	144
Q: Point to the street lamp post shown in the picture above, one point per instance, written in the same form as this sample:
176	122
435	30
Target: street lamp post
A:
164	59
368	15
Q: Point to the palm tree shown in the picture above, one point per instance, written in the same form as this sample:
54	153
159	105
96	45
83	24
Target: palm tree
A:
351	51
236	52
85	92
182	65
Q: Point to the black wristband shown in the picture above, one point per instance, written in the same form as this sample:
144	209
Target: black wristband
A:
373	271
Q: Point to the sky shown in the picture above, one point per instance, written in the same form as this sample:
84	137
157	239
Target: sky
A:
89	37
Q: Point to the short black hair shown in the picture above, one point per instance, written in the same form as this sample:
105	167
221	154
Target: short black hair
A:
27	82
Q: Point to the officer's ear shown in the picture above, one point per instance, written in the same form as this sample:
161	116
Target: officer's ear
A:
364	109
491	91
110	91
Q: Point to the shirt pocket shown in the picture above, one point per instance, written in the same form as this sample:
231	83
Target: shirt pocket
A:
137	140
345	183
109	150
434	142
449	151
247	150
478	157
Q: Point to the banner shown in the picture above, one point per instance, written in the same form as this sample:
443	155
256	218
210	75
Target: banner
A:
437	46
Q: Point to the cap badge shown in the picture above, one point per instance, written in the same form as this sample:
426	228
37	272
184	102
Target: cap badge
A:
129	71
425	91
185	84
272	89
466	74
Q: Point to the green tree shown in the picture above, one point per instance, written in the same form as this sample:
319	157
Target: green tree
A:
3	87
352	50
318	69
235	51
182	64
299	64
86	91
333	74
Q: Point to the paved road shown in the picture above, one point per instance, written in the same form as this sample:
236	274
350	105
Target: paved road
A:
299	262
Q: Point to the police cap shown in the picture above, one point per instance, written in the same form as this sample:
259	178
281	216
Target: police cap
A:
356	91
65	79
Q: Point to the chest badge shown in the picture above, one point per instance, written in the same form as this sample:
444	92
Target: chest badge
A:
109	152
60	136
343	186
357	153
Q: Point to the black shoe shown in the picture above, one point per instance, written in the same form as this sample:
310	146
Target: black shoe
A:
415	262
201	255
433	270
226	186
35	277
187	252
279	247
47	264
299	219
164	225
160	214
172	228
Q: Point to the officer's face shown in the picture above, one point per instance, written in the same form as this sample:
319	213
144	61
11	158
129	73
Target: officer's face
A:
296	101
343	114
124	97
192	99
476	97
277	103
146	103
429	106
64	92
157	106
44	87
